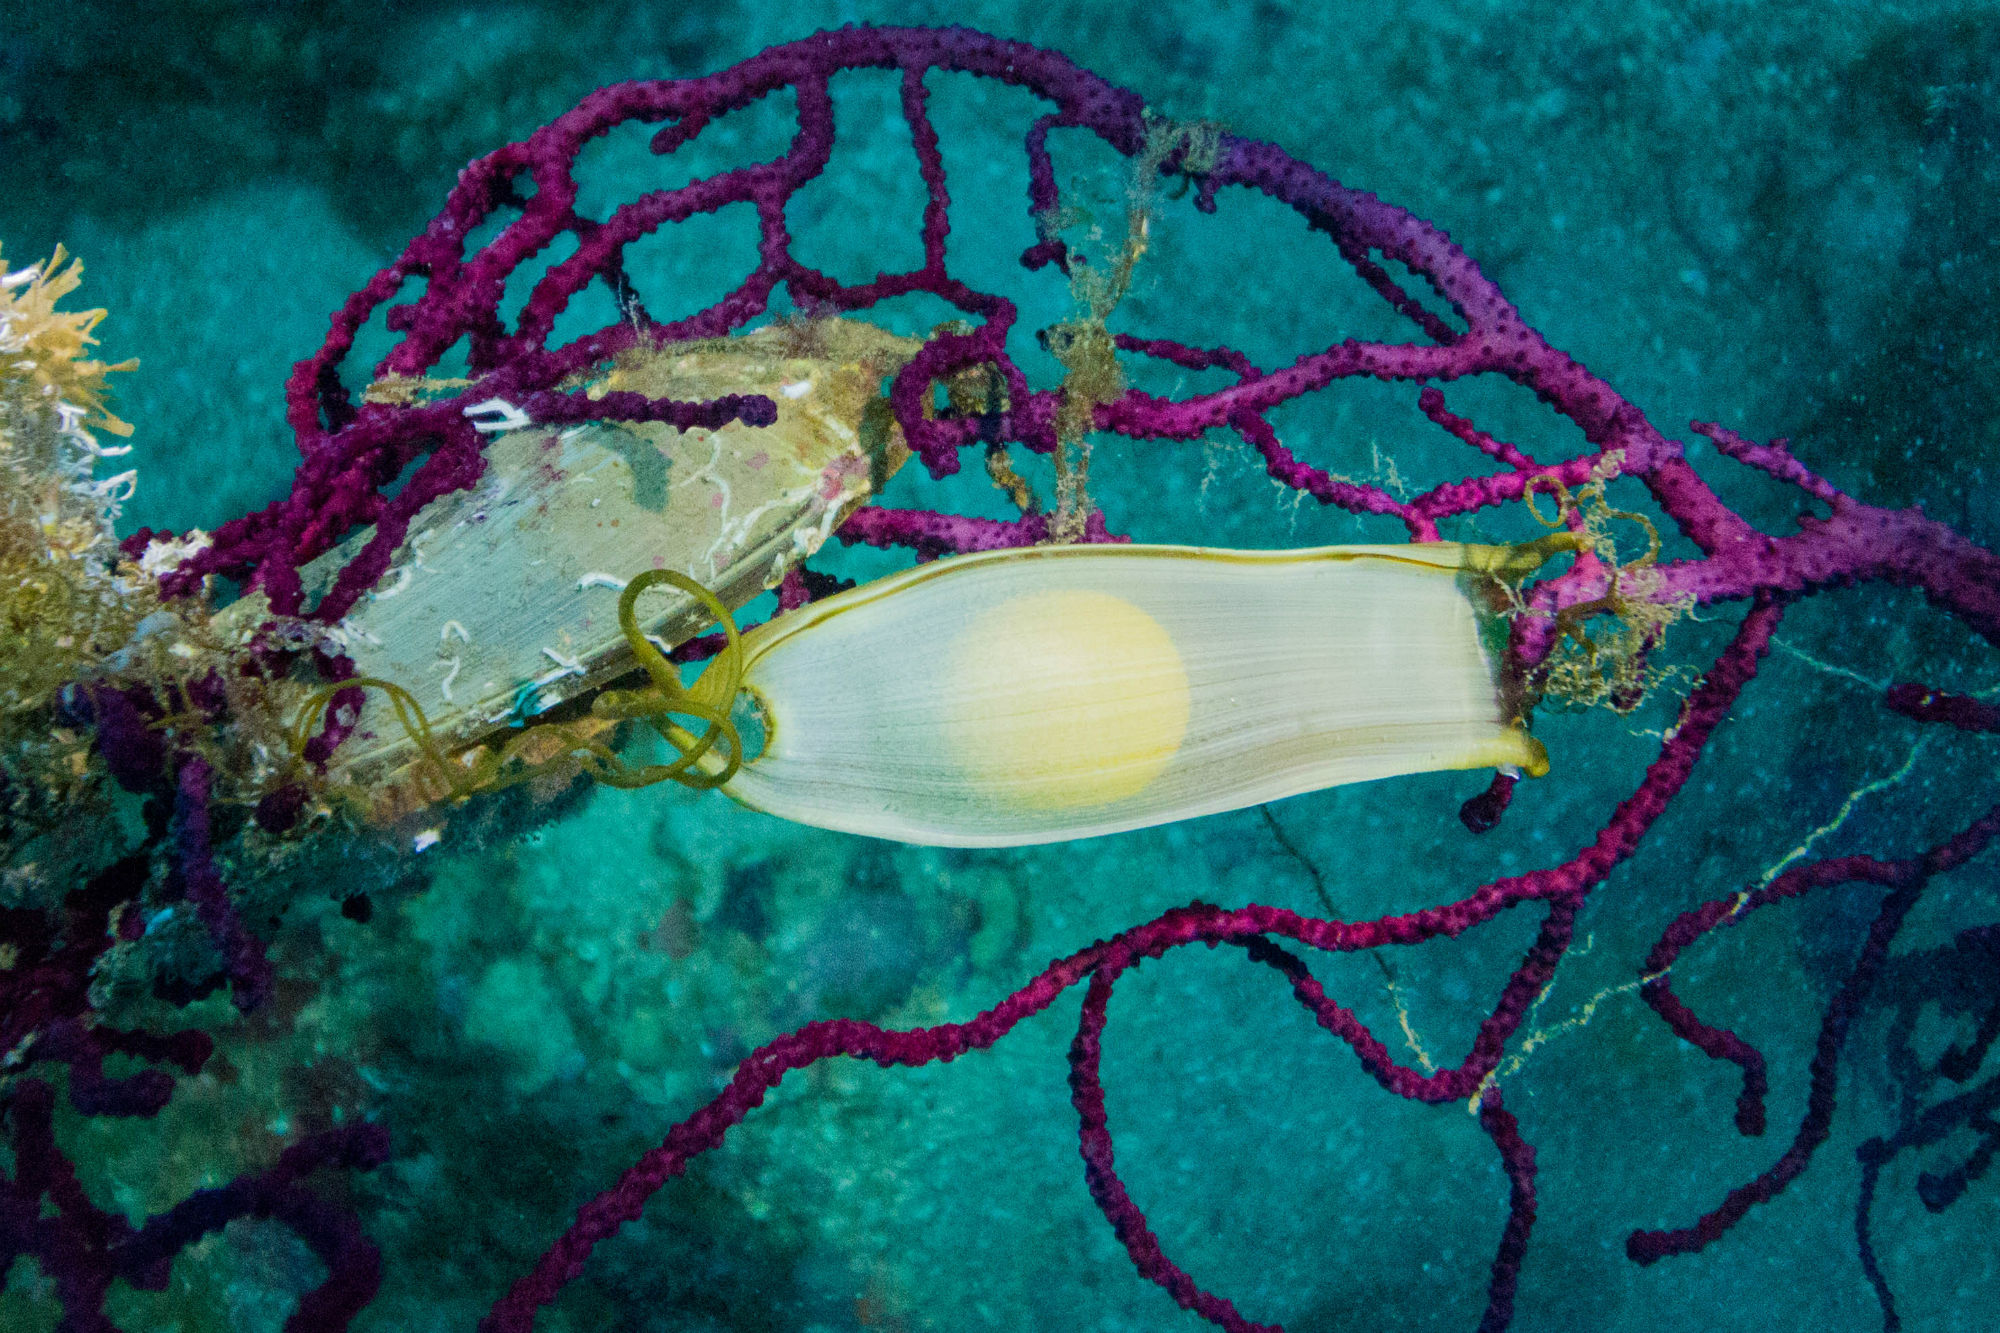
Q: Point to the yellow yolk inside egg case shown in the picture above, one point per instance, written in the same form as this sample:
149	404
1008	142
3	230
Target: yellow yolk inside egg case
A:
1036	695
1073	698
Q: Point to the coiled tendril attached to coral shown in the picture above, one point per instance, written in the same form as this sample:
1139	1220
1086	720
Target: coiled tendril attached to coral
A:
1614	669
703	761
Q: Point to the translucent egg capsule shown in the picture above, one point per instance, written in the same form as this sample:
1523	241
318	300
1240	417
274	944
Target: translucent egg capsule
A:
1038	695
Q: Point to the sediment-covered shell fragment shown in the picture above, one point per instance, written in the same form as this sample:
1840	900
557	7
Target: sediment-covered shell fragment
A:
502	602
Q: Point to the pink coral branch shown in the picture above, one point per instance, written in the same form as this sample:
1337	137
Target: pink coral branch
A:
352	454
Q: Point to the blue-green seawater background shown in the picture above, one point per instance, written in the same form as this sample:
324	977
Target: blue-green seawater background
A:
1778	215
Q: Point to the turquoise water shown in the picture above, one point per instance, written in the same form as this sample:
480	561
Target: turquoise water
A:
1774	216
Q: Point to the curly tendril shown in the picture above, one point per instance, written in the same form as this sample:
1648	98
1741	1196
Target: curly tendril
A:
1615	672
704	761
709	699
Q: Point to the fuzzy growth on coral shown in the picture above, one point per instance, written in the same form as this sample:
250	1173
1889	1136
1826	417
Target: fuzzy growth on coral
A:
1092	376
77	618
64	606
1614	666
44	347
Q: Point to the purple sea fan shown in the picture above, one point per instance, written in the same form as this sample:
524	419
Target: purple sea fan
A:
1463	327
964	390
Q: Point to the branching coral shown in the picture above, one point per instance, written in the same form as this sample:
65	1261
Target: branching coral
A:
45	347
357	451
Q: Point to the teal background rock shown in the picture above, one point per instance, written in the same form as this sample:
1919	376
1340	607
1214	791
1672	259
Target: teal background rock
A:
1776	215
